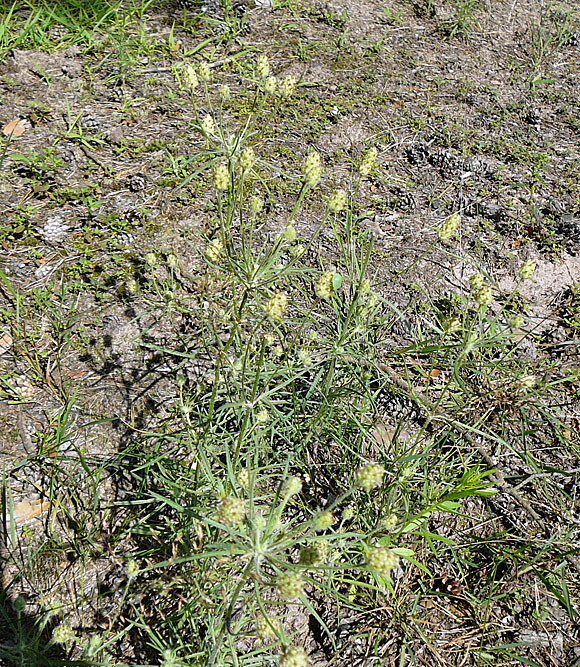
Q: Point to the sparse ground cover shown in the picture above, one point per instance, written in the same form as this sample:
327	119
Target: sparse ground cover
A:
289	313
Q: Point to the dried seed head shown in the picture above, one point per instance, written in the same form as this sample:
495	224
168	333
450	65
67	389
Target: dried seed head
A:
382	560
370	476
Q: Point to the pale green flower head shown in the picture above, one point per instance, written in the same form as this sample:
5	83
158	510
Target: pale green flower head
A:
247	158
190	77
452	325
382	560
19	604
243	477
293	656
323	520
204	71
290	585
516	322
287	86
527	269
312	169
214	249
268	628
324	288
476	282
270	85
390	522
262	67
208	126
276	306
483	296
368	162
132	569
347	513
63	634
337	201
370	476
170	659
221	177
289	233
232	511
527	381
449	227
256	204
314	554
292	487
262	417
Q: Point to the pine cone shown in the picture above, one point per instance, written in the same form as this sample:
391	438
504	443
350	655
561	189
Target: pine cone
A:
54	230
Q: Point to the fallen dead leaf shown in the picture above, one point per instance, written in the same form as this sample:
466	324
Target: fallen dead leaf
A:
5	342
27	510
15	128
384	434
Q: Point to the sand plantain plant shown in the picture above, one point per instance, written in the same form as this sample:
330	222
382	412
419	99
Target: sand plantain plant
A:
241	526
